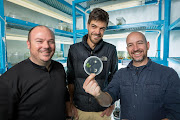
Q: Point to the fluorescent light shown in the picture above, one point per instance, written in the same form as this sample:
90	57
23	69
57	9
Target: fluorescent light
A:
16	37
115	5
114	36
24	38
65	42
120	35
38	8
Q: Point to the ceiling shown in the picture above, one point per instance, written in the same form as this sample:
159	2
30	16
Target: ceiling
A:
66	5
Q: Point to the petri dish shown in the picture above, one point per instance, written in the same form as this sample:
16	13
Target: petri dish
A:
93	64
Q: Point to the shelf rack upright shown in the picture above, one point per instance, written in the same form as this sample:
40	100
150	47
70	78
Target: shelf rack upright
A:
3	58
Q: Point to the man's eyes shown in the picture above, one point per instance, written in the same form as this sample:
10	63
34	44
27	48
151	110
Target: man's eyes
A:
103	29
140	42
52	42
39	41
93	26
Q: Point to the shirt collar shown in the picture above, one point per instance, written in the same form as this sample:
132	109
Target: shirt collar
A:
148	65
41	67
98	46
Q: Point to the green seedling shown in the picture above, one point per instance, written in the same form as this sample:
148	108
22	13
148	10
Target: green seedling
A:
88	65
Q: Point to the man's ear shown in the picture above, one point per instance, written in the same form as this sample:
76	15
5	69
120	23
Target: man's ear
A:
87	25
28	44
148	45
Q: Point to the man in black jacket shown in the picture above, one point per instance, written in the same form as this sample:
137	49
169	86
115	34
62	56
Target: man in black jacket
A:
84	105
35	89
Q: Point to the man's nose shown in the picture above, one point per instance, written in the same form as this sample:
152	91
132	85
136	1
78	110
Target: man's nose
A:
135	48
46	44
97	31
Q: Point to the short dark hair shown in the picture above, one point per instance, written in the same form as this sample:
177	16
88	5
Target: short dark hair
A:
29	34
98	14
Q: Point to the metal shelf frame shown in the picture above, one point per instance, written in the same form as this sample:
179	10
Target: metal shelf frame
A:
175	60
3	57
163	25
25	25
6	21
150	25
175	25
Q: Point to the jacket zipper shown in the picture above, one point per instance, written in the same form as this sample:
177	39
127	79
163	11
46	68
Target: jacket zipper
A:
91	52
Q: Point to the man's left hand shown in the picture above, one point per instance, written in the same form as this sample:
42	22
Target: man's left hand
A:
108	111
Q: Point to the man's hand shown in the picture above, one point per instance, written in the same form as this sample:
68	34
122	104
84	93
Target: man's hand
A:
108	111
68	109
91	86
74	112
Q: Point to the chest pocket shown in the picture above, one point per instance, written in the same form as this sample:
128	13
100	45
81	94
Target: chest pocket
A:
126	91
153	93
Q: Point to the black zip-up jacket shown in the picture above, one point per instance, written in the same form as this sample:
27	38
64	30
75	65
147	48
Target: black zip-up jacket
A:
76	75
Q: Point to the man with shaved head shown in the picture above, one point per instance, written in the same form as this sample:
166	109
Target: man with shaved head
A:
147	90
35	89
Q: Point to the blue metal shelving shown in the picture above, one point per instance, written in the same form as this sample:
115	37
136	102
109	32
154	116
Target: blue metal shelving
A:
154	25
84	6
175	25
151	25
175	60
148	26
19	24
25	25
3	57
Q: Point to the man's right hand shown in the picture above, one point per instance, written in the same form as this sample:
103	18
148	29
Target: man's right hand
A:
91	86
74	112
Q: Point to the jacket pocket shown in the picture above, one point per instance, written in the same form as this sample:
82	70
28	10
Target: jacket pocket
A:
152	93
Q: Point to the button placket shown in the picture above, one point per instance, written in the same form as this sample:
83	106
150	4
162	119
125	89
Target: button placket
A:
134	106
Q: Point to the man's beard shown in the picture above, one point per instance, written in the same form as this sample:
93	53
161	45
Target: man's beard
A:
139	60
95	41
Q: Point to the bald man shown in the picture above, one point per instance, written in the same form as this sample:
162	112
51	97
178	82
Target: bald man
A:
147	90
35	89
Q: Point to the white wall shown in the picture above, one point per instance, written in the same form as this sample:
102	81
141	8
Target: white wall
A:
175	66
